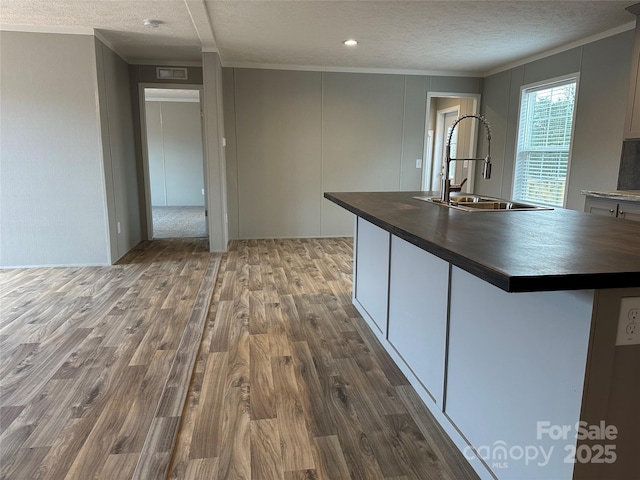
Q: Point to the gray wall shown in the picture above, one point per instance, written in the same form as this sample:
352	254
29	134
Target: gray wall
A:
174	138
604	68
291	136
52	190
121	176
214	153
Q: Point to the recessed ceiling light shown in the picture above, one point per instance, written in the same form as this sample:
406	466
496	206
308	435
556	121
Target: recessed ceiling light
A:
350	43
151	23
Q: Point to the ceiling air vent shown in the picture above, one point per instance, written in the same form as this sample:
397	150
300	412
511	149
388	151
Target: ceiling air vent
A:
171	73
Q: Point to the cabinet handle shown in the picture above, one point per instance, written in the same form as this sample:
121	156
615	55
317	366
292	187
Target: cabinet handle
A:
620	212
611	210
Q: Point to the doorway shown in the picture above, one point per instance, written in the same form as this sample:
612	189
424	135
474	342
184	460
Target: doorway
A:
174	162
445	118
443	109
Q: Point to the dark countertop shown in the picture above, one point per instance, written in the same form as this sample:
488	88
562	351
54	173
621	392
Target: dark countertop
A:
520	251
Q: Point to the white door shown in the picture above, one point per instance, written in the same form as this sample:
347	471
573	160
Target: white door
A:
445	120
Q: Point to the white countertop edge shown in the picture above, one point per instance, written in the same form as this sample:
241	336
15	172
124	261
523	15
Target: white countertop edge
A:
630	195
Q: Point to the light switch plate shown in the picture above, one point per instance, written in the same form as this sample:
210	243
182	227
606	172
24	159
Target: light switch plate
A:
629	322
418	163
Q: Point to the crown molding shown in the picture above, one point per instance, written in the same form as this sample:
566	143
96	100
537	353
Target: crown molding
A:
47	29
578	43
318	68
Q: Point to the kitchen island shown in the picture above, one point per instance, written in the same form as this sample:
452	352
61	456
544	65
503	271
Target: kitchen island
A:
512	326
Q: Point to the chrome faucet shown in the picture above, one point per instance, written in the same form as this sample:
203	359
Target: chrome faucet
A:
445	194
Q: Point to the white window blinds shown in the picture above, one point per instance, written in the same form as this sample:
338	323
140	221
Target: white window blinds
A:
544	143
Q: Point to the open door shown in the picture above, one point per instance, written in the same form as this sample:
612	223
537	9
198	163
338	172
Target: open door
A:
174	162
443	109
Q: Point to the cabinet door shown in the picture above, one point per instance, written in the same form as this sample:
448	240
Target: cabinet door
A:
372	273
601	206
418	296
629	211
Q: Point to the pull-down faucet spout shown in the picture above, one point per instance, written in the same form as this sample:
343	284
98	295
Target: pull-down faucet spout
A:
445	194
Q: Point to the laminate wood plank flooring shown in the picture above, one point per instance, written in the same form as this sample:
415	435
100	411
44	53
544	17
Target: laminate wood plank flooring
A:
132	372
290	383
96	362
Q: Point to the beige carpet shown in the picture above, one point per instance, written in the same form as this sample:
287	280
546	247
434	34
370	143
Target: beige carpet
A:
179	222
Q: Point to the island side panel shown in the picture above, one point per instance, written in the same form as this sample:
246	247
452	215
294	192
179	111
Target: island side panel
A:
516	359
418	300
371	282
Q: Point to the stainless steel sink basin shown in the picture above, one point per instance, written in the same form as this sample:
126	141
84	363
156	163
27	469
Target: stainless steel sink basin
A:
477	203
469	199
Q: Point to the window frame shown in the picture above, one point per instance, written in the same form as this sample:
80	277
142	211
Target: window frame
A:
530	88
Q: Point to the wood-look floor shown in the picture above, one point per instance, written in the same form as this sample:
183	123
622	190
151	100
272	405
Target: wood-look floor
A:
96	362
290	384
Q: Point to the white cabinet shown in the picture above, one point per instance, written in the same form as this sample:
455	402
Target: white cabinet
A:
371	286
612	208
600	206
629	211
418	297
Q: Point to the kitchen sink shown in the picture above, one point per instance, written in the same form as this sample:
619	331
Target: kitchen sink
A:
477	203
469	199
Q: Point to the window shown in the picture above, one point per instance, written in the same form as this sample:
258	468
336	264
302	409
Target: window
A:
544	142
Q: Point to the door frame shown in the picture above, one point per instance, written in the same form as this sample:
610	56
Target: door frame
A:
145	146
428	149
439	144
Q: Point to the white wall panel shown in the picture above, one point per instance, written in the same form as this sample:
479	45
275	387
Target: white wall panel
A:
361	139
119	151
214	161
52	189
174	137
278	153
597	145
291	136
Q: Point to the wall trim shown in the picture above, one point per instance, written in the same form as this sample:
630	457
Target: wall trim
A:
319	68
578	43
56	265
47	29
109	45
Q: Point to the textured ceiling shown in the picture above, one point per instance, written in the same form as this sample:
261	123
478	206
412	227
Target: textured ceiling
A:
472	36
118	21
424	36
